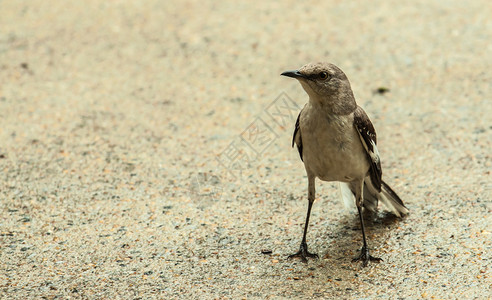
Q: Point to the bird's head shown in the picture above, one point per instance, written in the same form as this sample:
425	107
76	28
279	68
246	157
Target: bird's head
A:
324	83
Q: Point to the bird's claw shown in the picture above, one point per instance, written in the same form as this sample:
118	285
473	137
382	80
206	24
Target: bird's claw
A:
303	253
365	257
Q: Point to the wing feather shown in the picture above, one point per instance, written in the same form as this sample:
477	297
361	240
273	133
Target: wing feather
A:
368	137
296	138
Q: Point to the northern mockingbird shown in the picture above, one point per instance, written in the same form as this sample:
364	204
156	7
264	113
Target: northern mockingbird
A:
337	142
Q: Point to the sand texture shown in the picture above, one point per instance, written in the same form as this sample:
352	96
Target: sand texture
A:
145	149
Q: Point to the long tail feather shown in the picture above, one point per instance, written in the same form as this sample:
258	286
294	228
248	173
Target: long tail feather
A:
392	201
347	195
372	197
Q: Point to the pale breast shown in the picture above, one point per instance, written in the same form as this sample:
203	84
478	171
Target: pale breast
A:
332	149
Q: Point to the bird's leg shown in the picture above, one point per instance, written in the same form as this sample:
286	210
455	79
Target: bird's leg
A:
364	253
303	252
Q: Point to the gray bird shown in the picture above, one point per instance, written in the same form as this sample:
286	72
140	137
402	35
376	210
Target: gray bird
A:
337	142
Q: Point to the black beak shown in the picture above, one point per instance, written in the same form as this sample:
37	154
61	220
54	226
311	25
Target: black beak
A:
294	74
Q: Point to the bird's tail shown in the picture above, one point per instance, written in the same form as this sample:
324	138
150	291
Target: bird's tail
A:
391	200
372	197
347	195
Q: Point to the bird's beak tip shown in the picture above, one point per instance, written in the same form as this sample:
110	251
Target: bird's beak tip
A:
294	74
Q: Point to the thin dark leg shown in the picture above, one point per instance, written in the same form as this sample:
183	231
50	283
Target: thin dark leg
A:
303	252
364	254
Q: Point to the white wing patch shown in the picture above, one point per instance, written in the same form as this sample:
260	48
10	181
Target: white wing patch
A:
374	153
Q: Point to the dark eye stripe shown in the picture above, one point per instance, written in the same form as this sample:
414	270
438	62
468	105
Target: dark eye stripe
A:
317	76
312	76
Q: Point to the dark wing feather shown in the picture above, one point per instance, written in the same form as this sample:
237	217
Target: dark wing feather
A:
368	138
297	131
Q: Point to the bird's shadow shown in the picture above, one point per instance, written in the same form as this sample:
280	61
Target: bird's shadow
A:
346	235
339	242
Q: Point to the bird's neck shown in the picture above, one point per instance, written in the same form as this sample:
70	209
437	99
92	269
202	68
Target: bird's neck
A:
340	104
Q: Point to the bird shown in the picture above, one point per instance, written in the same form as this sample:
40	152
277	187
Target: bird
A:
336	141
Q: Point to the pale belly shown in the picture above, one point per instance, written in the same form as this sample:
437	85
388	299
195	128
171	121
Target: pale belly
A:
332	150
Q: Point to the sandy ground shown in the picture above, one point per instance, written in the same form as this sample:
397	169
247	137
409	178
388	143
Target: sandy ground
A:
130	167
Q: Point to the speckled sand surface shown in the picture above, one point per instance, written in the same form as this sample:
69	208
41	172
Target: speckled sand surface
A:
114	116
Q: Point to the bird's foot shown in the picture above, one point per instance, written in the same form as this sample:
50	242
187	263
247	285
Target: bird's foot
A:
365	257
303	253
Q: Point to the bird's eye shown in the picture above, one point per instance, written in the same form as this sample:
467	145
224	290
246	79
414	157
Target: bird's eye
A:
323	75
